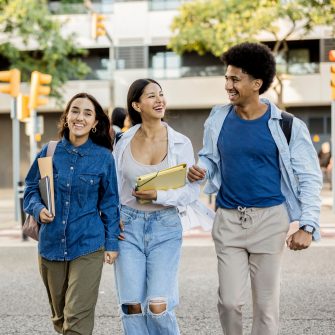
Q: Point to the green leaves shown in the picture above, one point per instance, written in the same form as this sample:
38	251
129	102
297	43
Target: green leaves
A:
215	25
34	42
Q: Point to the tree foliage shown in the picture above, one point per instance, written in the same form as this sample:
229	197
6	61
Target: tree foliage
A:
31	40
215	25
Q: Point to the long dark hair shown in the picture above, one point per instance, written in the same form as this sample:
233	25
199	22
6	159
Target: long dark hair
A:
134	93
101	136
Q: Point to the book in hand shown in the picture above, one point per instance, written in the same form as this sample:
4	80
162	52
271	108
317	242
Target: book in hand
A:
167	179
45	191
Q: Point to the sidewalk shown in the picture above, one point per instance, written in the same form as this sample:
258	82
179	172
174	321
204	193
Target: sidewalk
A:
10	230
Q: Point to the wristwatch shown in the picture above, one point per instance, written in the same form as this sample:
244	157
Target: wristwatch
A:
308	229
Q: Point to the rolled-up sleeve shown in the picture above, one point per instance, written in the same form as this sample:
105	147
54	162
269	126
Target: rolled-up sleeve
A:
186	194
32	202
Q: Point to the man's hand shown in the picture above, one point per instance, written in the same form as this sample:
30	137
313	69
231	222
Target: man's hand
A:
195	173
145	195
299	240
110	256
46	216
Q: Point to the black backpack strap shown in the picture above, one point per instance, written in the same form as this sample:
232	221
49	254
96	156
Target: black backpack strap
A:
286	125
118	136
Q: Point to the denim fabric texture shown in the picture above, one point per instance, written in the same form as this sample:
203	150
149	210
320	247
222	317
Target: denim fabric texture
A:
86	202
301	178
147	269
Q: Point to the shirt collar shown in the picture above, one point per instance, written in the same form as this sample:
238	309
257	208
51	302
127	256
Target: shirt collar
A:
81	150
275	111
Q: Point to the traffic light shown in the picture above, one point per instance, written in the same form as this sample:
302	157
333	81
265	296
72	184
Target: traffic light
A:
98	26
23	111
13	78
332	73
39	79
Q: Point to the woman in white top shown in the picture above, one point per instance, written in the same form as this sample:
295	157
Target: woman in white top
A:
147	266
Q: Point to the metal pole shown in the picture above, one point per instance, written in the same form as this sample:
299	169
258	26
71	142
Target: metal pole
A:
16	155
111	71
33	131
333	151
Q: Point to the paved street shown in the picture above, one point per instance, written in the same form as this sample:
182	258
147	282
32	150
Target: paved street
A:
308	294
308	285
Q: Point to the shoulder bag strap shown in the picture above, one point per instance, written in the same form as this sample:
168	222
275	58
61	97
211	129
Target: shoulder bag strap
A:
51	148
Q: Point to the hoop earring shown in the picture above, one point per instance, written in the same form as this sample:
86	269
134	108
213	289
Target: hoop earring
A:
66	125
94	130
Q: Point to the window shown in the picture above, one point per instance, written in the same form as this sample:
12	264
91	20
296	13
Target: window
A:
164	4
316	125
165	64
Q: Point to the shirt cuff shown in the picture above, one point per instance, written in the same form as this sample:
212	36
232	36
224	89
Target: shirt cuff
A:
111	245
36	212
161	198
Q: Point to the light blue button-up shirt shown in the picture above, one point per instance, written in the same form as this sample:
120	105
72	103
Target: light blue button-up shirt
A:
86	202
301	178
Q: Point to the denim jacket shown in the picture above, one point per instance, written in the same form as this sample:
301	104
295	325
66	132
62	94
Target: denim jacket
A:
180	150
86	202
301	178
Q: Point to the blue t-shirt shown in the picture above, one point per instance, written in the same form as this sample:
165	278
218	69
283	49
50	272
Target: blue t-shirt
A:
249	163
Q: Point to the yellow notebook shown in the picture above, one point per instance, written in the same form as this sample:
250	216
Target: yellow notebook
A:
171	178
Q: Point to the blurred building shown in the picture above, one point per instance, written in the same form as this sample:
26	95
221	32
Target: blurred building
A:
192	83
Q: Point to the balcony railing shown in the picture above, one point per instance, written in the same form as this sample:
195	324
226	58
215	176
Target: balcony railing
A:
298	68
202	71
188	71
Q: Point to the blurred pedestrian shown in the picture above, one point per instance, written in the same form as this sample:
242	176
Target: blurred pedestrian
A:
326	162
147	267
263	183
127	123
117	119
83	234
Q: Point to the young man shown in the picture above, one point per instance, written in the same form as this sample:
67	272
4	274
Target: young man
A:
263	183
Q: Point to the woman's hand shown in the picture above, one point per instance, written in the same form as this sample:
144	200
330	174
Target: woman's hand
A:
145	195
46	216
110	256
121	235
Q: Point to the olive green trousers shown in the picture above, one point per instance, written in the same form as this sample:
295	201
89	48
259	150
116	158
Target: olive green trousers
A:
73	288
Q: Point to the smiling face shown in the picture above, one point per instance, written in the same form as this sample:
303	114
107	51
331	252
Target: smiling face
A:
81	118
152	103
240	86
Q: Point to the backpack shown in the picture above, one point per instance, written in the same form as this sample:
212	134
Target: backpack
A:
286	125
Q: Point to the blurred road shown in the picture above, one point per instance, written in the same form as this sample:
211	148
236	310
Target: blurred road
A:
307	299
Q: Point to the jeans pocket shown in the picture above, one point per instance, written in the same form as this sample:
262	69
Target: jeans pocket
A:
170	221
126	218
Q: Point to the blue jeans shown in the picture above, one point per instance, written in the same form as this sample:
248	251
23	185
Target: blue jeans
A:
147	268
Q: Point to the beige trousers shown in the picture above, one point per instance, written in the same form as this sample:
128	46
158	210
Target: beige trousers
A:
250	241
72	288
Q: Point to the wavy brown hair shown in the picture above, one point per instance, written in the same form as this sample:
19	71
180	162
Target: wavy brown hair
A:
101	136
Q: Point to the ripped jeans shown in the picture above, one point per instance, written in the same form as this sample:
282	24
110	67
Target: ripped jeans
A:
146	271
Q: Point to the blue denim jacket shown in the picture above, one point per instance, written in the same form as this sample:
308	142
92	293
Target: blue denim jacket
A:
86	202
301	178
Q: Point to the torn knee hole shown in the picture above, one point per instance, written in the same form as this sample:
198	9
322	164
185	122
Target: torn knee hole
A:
157	306
132	309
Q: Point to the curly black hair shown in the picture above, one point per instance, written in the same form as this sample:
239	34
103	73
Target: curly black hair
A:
255	59
101	136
